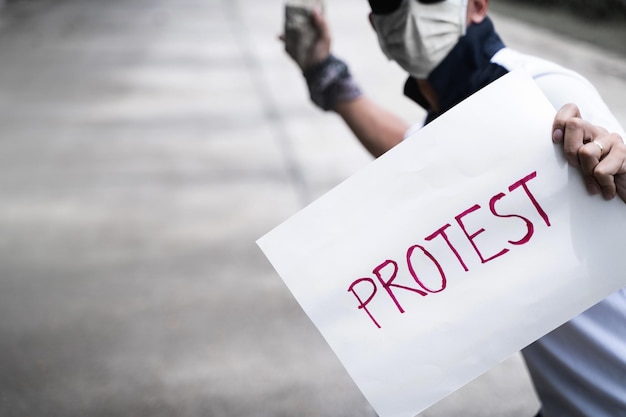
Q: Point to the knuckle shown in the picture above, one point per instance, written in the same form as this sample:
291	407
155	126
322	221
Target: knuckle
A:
574	123
567	111
586	152
602	171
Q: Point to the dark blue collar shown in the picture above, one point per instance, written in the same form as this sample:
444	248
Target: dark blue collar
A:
465	70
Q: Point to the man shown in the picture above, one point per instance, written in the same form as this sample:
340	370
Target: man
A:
450	50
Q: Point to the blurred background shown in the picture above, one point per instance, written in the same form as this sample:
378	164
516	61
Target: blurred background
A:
144	146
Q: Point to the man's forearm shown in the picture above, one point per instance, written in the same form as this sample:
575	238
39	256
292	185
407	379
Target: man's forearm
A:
332	88
377	129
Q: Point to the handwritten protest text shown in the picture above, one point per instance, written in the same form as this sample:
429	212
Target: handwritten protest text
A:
386	272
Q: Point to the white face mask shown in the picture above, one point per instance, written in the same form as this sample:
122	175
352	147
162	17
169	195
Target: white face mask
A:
419	36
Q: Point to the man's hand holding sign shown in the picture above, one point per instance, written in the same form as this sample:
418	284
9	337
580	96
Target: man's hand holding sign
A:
599	154
422	272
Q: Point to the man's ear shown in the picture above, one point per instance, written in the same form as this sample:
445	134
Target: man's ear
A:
476	11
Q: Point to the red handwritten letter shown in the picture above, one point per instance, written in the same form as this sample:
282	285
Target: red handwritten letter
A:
522	183
389	282
442	232
363	304
529	224
409	253
471	237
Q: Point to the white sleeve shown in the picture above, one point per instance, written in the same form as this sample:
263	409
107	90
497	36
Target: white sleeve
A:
562	86
570	87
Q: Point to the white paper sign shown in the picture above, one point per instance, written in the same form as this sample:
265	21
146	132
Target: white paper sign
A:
451	252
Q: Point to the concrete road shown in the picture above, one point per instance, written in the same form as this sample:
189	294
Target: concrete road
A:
144	146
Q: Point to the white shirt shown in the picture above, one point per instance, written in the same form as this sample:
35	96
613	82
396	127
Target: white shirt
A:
579	369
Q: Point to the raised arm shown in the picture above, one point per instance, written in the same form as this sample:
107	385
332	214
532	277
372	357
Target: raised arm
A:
332	88
377	129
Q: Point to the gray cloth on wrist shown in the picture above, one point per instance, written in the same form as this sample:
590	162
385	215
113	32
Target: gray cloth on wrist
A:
329	82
